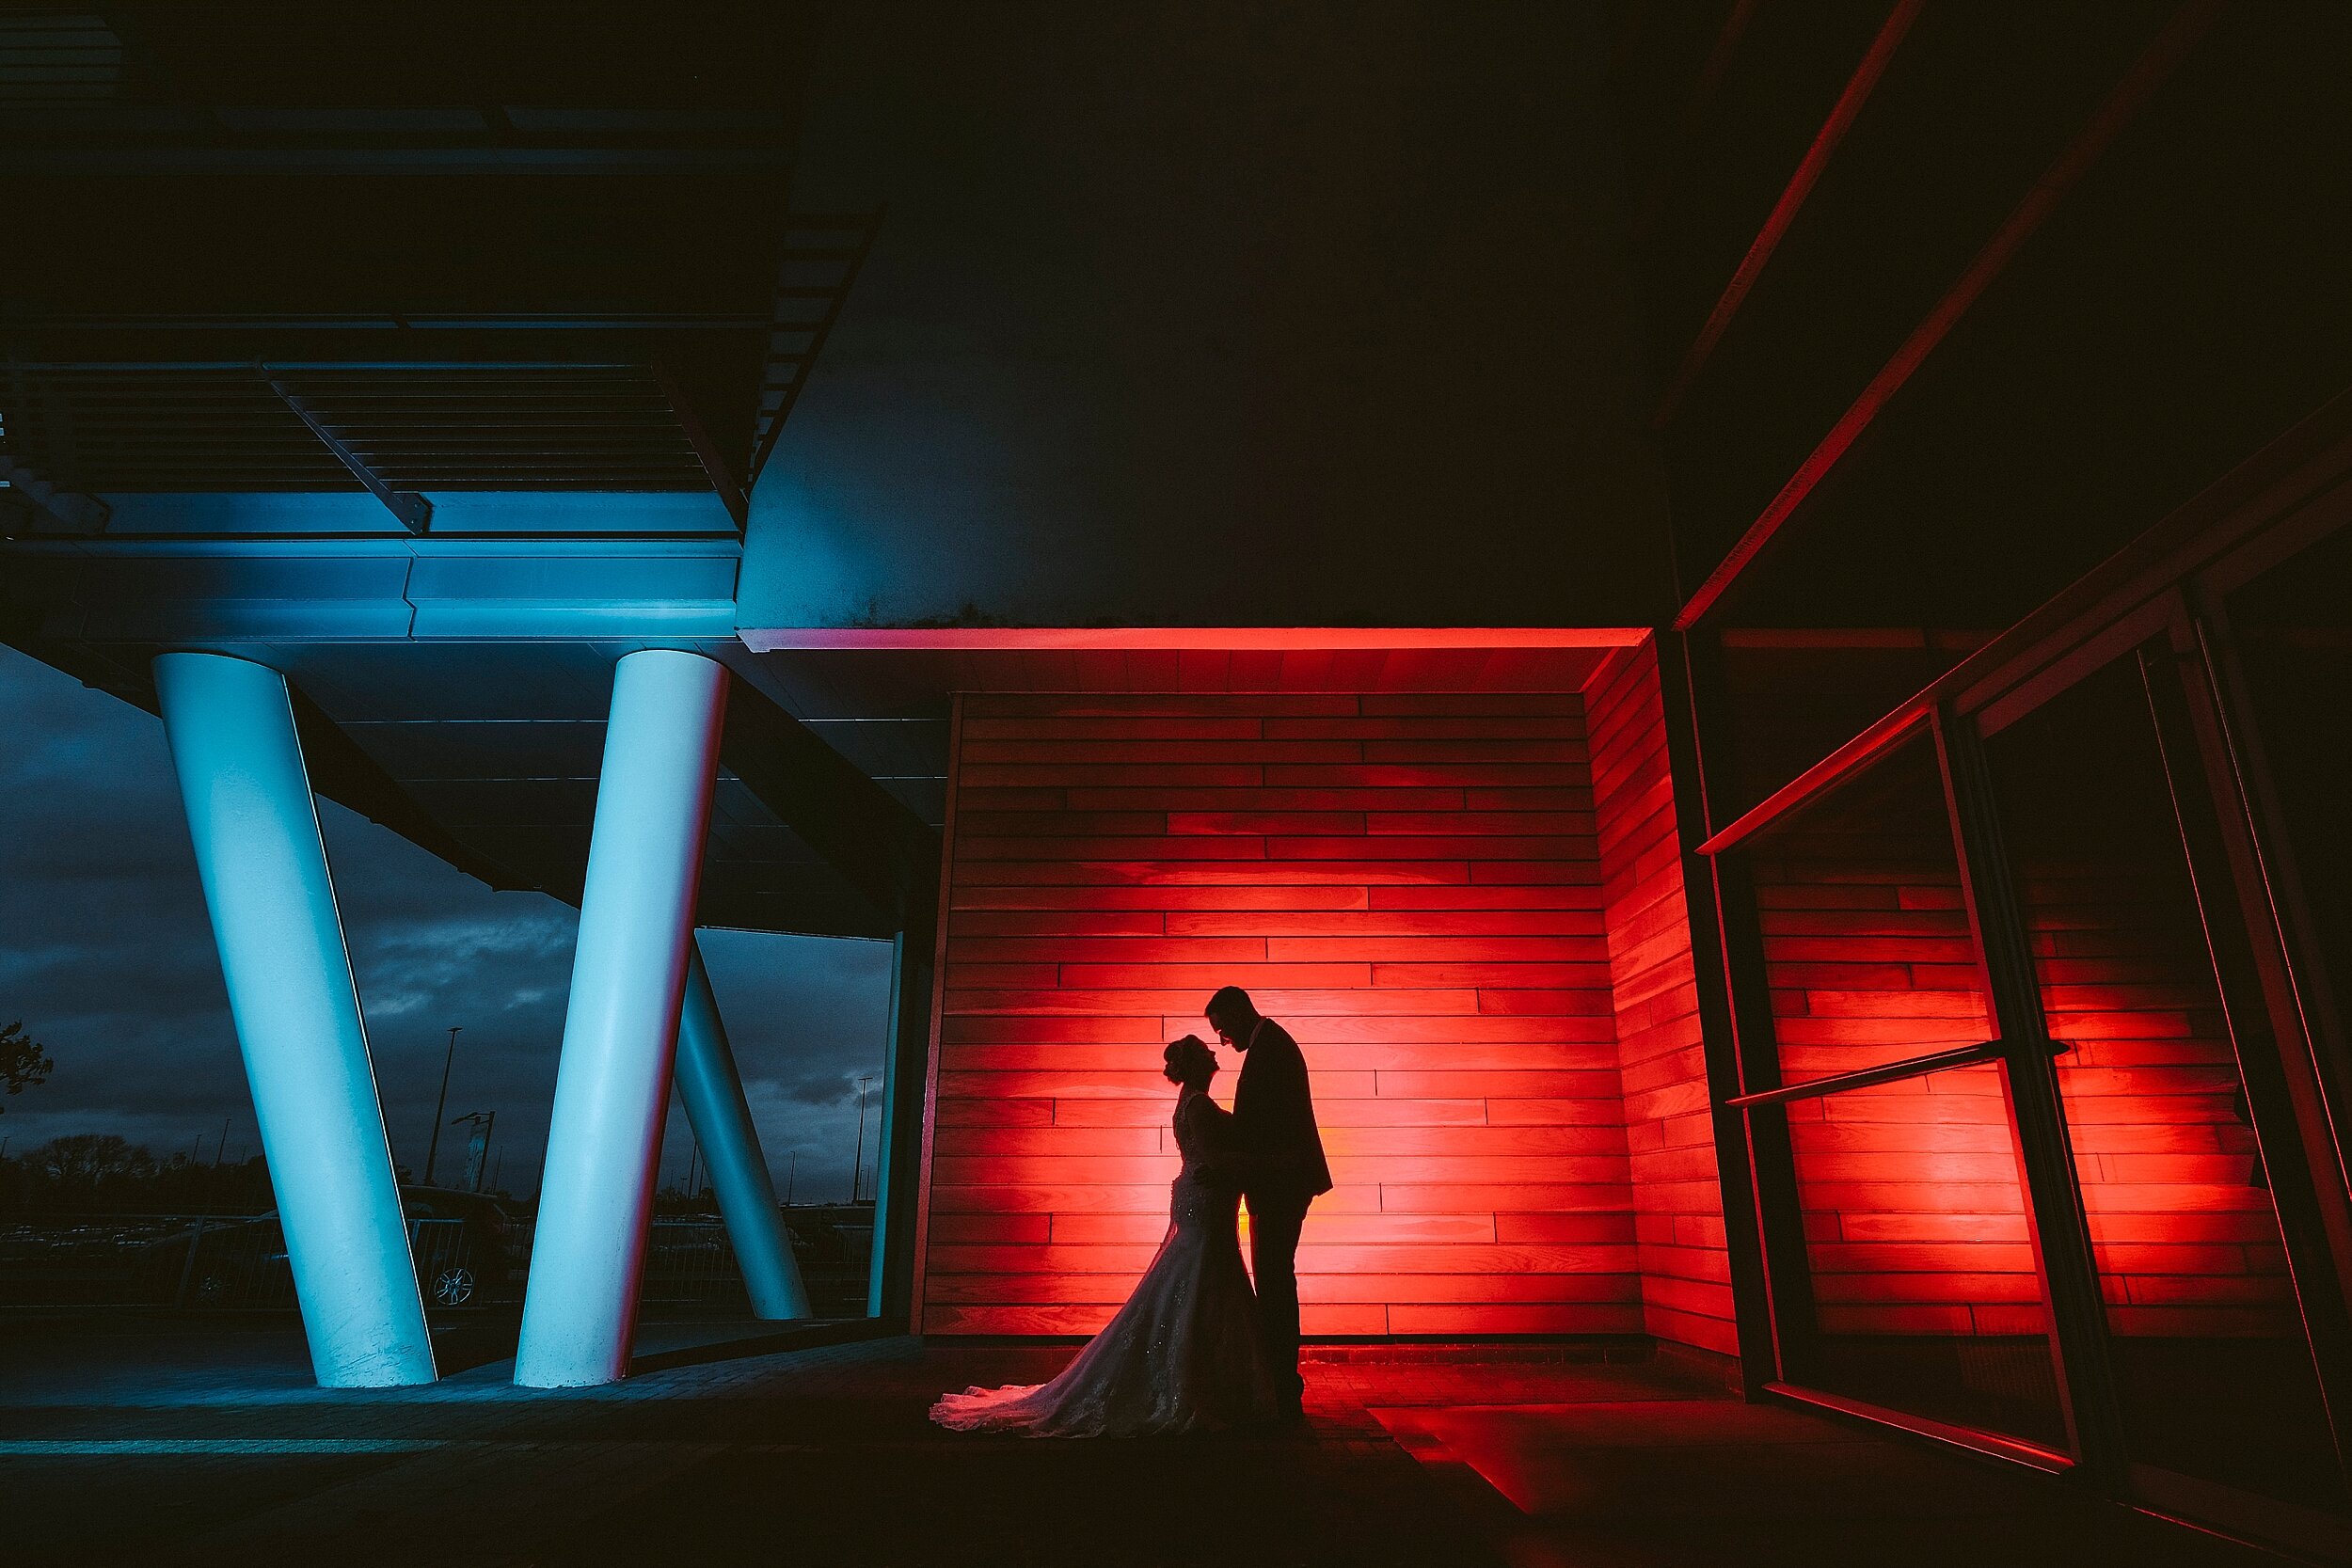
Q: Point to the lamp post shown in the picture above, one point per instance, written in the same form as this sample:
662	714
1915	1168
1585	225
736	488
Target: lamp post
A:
440	1105
791	1174
857	1163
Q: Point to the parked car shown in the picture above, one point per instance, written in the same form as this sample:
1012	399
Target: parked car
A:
468	1248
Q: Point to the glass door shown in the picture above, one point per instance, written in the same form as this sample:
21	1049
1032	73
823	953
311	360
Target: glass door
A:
1905	1274
2181	1153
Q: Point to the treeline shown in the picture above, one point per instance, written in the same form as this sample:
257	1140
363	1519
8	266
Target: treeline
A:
103	1173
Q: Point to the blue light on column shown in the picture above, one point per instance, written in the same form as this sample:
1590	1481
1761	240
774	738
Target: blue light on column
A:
620	1028
712	1091
250	812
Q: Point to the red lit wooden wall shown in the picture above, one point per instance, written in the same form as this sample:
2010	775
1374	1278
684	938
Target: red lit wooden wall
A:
1679	1215
2182	1226
1412	884
1912	1198
1912	1202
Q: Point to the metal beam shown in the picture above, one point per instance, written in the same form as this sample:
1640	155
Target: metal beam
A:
72	512
414	512
2058	1224
2155	64
768	427
1857	91
697	431
1734	1012
878	846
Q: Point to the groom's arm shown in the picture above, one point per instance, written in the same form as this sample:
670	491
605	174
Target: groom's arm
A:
1275	1145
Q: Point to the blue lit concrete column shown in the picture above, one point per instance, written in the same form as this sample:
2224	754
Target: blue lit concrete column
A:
255	828
620	1027
712	1091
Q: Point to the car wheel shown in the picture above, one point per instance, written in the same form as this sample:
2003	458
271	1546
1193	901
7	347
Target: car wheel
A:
453	1287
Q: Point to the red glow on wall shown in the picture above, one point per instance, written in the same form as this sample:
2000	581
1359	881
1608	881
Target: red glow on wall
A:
1911	1198
1415	885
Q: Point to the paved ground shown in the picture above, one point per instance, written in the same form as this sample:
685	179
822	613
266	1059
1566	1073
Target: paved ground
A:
145	1440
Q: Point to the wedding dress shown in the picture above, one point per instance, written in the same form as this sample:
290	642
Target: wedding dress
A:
1183	1353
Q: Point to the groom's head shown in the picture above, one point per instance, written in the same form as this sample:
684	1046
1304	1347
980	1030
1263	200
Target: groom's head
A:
1233	1015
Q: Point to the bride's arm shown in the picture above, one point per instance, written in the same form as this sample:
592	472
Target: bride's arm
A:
1221	1155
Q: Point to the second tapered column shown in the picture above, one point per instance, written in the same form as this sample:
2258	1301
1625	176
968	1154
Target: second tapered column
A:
620	1028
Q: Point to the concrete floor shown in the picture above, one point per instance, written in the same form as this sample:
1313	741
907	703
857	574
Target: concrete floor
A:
202	1442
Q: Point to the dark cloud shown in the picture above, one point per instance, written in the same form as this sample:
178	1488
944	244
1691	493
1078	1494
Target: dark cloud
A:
106	954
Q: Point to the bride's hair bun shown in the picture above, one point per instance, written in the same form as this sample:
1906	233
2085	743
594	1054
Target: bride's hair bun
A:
1188	1059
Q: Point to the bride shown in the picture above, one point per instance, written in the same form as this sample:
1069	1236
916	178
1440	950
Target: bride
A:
1183	1354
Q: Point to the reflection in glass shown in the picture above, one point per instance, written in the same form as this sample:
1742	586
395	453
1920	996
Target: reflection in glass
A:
2292	627
1866	947
2215	1374
1790	697
1927	1296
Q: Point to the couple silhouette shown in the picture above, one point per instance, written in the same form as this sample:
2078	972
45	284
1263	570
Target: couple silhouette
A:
1195	1349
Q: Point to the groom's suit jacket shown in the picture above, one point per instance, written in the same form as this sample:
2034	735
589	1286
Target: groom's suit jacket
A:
1273	1119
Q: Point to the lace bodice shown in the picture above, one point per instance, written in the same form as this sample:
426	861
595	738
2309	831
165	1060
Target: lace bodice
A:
1197	1129
1202	1127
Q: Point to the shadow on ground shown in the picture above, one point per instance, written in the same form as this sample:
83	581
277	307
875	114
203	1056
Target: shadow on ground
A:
204	1443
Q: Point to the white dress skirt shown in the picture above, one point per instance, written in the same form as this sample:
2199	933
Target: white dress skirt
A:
1184	1354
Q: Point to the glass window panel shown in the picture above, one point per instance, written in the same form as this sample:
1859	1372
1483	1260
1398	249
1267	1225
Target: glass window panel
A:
1791	697
2292	628
1927	1297
2214	1369
1866	947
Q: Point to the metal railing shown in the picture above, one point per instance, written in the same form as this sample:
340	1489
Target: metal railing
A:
199	1261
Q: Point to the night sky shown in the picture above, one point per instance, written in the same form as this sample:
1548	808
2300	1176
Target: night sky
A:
108	959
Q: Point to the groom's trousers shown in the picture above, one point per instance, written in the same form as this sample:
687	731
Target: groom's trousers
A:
1274	1226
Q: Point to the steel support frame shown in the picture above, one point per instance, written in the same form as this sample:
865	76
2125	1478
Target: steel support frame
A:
2205	724
899	1138
2224	872
1772	1289
2059	1226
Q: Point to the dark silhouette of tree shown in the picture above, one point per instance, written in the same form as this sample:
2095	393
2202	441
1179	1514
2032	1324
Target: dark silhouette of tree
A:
86	1159
23	1061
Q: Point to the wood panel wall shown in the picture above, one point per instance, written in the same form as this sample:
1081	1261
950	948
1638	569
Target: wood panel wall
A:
1411	884
1678	1220
2182	1223
1913	1200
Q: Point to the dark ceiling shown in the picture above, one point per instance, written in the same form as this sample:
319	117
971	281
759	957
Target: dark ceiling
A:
416	246
2107	245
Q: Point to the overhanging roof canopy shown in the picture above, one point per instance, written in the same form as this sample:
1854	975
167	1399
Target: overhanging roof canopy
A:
406	248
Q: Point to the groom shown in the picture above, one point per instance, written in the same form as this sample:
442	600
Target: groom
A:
1281	1171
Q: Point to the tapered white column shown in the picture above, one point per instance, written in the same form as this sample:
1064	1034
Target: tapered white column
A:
231	727
620	1028
712	1091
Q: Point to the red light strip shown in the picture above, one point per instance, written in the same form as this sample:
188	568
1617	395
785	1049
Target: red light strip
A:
1164	639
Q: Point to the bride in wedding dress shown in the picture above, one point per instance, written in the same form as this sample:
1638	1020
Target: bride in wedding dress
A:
1184	1354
